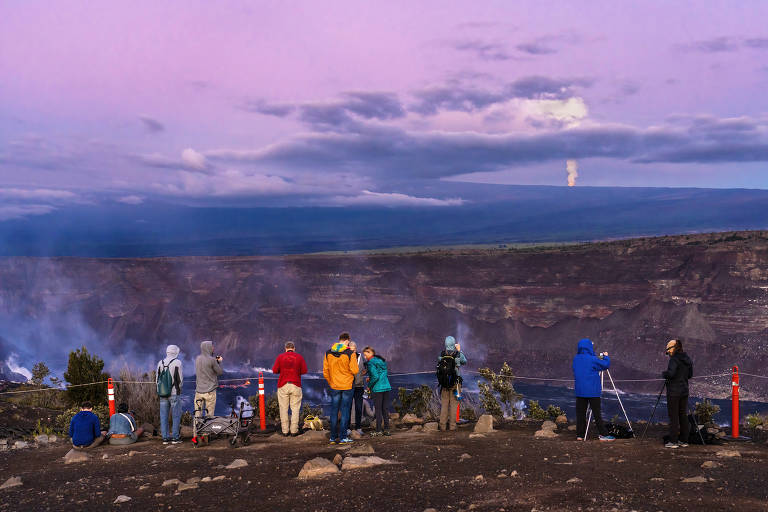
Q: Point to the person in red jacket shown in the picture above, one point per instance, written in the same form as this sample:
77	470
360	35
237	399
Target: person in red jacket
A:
291	366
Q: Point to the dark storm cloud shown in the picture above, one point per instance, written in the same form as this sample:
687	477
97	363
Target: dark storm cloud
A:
151	124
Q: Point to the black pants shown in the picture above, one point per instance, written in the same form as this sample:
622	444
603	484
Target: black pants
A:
677	407
381	404
357	399
581	415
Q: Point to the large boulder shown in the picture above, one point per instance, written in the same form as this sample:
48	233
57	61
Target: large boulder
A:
361	449
317	468
363	462
548	425
562	420
237	463
484	424
74	456
545	433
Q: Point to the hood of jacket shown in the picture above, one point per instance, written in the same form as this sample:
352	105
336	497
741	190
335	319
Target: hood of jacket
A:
586	347
338	348
683	358
450	344
206	348
171	352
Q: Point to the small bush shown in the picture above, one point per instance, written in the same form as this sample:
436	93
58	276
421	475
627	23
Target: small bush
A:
756	420
186	418
416	401
271	406
705	411
84	368
536	412
554	411
497	393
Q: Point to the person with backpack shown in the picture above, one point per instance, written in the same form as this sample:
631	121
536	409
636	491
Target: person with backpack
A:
588	388
378	383
169	379
449	378
123	428
339	369
290	366
359	390
679	370
207	371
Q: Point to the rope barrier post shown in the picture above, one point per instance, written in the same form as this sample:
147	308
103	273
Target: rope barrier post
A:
111	396
458	412
735	403
262	407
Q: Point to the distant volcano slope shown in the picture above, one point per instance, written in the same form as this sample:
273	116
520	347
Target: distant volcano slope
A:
526	306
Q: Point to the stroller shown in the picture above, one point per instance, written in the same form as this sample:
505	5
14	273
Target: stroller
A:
237	426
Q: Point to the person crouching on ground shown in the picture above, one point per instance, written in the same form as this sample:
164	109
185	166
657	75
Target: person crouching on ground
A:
122	427
449	377
339	369
85	429
169	378
588	388
207	371
358	389
378	383
679	370
290	366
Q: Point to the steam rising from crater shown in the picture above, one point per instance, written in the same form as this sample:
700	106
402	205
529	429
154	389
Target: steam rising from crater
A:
572	167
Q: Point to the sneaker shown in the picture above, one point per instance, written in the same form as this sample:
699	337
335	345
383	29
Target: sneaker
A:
376	434
286	434
579	438
681	444
671	445
606	438
386	433
176	441
332	441
166	441
346	440
294	434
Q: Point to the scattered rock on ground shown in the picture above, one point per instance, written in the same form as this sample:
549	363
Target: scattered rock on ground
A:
355	435
338	459
479	478
548	425
657	479
193	480
394	416
514	473
132	453
431	426
14	481
205	479
475	435
502	475
237	463
363	462
465	456
574	480
18	445
217	478
412	419
709	464
74	456
172	481
545	433
122	499
694	480
52	438
562	419
104	457
361	449
417	428
42	439
728	453
186	486
317	468
484	424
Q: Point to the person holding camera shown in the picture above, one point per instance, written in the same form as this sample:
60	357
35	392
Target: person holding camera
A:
588	387
679	370
207	371
448	372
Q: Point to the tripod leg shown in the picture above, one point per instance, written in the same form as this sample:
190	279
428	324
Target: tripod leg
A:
658	399
589	420
696	423
619	399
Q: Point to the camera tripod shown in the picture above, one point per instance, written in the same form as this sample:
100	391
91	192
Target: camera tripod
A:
589	418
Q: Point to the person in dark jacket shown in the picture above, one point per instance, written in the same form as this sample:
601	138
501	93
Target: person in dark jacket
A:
588	387
378	383
679	370
85	428
207	371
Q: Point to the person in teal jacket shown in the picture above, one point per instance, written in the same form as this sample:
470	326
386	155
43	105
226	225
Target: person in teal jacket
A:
378	383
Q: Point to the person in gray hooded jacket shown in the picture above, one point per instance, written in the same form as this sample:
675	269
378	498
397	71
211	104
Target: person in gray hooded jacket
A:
207	371
171	403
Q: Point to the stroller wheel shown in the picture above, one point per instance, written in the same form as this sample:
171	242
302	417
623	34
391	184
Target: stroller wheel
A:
233	442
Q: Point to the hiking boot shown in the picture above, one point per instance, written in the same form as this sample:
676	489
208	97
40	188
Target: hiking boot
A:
671	445
346	440
606	438
286	434
682	444
294	434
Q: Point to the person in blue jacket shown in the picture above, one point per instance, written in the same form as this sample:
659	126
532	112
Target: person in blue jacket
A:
85	429
588	387
378	383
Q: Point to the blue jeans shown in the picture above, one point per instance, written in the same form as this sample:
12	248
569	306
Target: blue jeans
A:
172	404
340	401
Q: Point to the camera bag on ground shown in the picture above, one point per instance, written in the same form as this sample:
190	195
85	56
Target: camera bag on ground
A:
619	431
446	370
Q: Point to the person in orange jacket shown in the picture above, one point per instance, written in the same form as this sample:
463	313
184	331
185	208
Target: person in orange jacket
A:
339	369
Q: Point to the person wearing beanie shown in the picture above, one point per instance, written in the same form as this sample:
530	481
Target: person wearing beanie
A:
339	369
171	403
679	370
449	365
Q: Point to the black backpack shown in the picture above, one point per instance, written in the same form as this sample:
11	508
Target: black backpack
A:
446	370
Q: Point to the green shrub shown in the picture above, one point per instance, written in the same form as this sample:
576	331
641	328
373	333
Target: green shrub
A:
756	420
416	401
705	411
84	368
497	393
536	412
308	410
554	411
271	406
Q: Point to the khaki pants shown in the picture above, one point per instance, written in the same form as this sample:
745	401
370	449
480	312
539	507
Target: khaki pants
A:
289	395
210	402
448	405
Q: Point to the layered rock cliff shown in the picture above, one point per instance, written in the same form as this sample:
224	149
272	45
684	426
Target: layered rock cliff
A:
526	306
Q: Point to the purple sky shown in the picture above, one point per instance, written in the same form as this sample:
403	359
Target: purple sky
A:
334	103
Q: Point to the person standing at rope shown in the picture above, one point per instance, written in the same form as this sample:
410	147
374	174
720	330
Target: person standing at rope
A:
290	366
379	385
449	365
339	370
679	370
207	371
169	378
588	387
